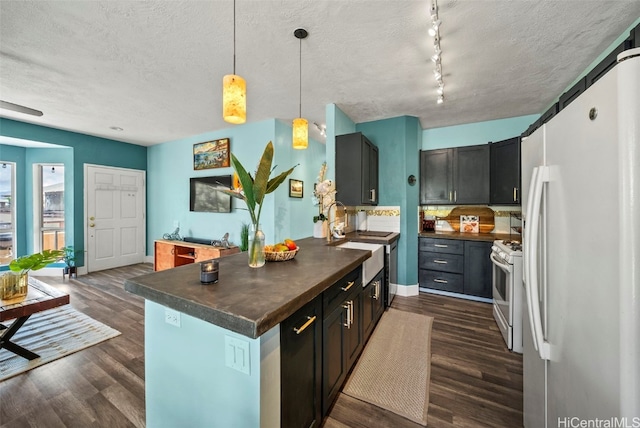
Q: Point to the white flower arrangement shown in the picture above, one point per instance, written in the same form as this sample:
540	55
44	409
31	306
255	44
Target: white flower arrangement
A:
324	193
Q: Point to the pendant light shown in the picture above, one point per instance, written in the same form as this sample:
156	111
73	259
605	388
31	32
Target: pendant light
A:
234	89
300	125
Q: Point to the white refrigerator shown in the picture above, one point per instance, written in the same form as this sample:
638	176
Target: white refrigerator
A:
581	254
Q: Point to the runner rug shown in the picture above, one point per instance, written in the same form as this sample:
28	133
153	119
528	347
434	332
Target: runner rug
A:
53	334
393	370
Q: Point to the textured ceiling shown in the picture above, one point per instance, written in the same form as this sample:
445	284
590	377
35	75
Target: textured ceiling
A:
155	68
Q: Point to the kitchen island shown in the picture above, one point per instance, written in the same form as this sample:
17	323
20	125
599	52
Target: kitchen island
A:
212	352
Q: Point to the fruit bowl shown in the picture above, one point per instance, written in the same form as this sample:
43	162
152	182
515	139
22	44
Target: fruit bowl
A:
280	256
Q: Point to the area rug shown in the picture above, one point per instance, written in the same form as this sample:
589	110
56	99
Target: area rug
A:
393	370
53	334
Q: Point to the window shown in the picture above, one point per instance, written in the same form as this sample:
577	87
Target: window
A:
7	211
52	207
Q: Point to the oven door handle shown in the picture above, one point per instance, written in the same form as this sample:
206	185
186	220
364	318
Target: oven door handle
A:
505	267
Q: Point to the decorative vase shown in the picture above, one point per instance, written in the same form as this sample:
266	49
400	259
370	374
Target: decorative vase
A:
13	285
319	229
256	246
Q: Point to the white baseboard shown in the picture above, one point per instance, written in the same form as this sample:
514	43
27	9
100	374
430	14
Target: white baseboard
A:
407	290
149	259
458	295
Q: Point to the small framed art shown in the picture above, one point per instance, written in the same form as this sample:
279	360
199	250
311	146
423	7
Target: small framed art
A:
296	188
211	154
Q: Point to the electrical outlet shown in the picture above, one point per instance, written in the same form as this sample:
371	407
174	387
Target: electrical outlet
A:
172	317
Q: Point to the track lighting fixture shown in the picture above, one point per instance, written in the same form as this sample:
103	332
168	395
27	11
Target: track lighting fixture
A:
434	31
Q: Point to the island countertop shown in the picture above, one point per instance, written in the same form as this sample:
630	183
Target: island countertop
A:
246	300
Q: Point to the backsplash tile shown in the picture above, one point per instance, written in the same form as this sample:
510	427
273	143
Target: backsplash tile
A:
502	217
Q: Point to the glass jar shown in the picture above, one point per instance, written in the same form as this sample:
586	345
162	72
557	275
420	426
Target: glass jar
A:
256	246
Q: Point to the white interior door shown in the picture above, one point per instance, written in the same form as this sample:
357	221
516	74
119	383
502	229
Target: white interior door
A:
114	217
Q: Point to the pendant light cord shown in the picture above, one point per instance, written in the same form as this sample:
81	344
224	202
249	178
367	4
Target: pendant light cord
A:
300	92
234	37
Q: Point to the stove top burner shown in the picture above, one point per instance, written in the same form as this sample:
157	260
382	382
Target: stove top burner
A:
514	245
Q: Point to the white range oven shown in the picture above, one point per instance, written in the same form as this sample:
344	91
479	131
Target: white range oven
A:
506	257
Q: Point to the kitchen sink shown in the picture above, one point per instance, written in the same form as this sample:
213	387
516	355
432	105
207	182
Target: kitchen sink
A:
373	264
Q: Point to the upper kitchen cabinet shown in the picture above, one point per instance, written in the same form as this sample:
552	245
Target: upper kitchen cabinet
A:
455	176
436	176
356	170
505	172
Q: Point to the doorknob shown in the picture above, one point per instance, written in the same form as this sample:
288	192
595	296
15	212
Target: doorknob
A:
92	225
92	218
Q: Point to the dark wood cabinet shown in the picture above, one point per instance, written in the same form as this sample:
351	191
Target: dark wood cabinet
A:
372	304
356	170
456	266
477	269
455	176
505	172
436	176
341	333
301	367
471	175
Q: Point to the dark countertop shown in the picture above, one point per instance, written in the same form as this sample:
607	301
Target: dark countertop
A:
246	300
489	237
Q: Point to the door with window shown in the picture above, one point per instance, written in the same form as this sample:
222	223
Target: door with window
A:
114	217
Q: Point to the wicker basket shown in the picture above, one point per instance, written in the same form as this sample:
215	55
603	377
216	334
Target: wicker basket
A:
280	256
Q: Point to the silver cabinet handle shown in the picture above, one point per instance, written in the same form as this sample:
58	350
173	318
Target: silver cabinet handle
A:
348	320
455	196
440	246
441	262
351	313
450	195
376	294
372	195
441	281
515	194
310	321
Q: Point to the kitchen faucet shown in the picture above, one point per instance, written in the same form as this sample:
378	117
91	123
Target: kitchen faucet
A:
346	218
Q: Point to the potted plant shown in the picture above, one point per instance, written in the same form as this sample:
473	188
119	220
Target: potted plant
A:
69	258
15	283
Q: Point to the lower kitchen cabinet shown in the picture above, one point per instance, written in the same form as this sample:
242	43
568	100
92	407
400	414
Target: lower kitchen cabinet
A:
341	333
456	266
301	367
477	268
321	342
372	305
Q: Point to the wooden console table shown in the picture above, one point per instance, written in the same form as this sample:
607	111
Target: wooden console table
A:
169	254
40	297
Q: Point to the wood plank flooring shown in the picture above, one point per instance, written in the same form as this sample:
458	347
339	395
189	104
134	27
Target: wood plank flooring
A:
475	381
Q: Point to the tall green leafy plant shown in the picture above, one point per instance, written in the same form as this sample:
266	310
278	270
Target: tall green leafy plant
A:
35	261
252	190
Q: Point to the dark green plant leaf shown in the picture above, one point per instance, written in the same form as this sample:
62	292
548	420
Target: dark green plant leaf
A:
262	174
276	181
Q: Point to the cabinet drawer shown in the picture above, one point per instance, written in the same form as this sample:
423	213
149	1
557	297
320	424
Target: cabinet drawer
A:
338	292
450	246
445	281
453	263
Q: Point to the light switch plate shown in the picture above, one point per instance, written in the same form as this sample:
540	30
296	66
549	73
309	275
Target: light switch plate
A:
237	354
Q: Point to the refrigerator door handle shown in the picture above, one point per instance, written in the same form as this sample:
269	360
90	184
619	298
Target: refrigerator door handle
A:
539	177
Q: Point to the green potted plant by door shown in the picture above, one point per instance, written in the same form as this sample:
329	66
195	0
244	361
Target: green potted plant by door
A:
15	282
69	258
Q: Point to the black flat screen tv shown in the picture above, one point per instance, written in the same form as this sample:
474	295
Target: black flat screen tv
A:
206	197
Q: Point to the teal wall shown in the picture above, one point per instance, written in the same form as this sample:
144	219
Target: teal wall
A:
476	133
170	165
398	142
86	150
183	371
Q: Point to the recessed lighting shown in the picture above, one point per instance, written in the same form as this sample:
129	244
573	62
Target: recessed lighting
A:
116	128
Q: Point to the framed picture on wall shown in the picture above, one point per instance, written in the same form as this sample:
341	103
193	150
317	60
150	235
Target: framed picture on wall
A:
211	154
296	188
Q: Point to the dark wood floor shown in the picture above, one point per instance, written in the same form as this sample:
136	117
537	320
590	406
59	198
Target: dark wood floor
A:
475	381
